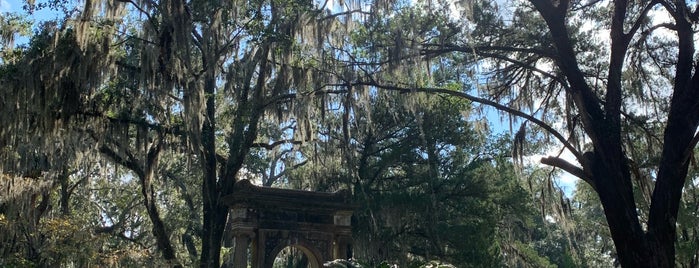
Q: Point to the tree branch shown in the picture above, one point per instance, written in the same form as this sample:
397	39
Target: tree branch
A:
128	162
140	9
274	178
493	104
175	129
442	49
584	97
348	12
568	167
270	146
639	21
154	151
526	66
690	149
563	6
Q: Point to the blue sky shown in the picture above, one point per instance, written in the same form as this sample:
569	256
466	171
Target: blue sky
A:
15	6
5	5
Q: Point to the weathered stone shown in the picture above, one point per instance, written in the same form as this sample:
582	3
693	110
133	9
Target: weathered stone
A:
270	219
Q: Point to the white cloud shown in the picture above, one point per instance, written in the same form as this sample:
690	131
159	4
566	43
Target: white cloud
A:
5	6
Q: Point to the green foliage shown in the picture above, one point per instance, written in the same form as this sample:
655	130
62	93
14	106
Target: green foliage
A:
289	95
430	186
12	25
530	256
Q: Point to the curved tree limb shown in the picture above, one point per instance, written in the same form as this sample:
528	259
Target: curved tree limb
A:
585	99
493	104
568	167
270	146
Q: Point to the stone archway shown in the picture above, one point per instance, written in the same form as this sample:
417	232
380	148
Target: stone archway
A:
265	220
313	261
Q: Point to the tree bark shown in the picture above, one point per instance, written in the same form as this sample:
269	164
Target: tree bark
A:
216	186
63	179
145	175
613	184
211	241
161	234
678	144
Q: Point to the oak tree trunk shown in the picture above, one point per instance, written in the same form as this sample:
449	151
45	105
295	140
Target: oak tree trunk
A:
607	166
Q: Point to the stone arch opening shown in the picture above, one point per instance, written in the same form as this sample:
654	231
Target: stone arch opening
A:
295	256
263	221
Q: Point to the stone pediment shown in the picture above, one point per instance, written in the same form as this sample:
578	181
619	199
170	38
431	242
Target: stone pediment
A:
247	194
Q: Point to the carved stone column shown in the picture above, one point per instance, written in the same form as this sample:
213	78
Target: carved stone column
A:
240	254
342	246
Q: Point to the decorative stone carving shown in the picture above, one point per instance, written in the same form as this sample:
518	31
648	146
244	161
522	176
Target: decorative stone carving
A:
270	219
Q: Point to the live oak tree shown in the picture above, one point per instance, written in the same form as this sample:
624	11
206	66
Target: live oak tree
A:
59	107
133	79
195	87
238	64
429	183
432	188
586	72
603	101
95	84
597	247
